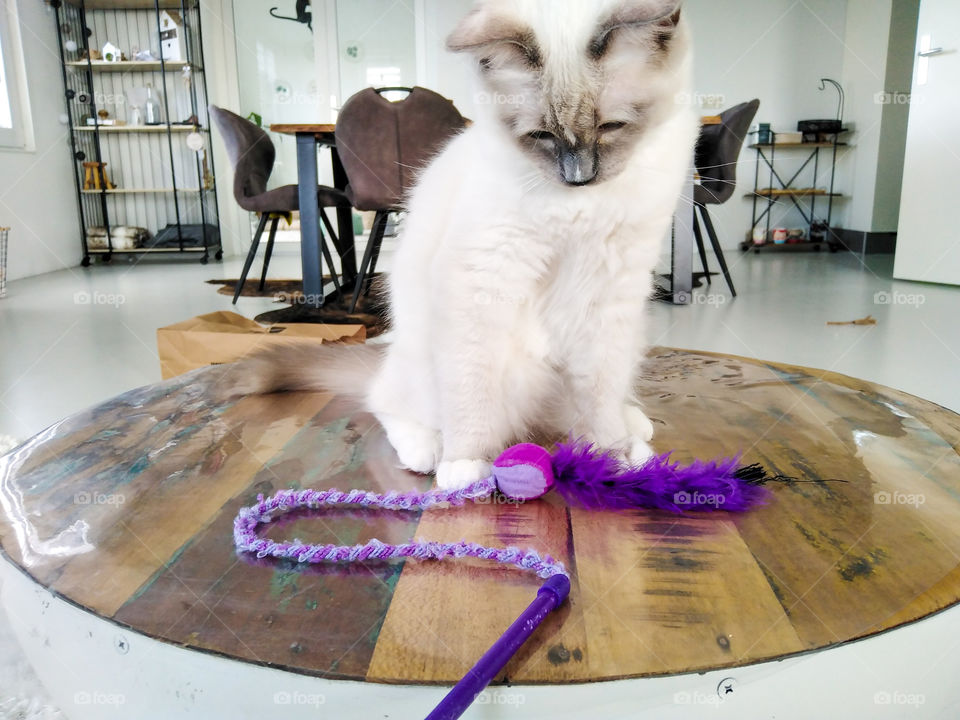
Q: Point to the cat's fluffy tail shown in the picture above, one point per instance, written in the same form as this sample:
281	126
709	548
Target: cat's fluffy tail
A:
337	368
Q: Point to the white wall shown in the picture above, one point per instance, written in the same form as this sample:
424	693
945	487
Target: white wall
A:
273	54
864	75
447	73
223	89
375	36
777	51
37	196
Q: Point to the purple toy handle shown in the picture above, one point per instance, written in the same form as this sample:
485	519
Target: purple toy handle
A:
550	596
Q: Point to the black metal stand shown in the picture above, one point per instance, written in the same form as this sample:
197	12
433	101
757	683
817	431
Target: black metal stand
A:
804	200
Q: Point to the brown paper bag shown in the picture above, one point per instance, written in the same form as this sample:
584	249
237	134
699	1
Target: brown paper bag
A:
223	337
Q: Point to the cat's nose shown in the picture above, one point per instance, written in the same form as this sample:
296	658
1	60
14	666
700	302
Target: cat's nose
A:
578	165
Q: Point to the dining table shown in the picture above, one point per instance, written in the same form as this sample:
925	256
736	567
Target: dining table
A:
310	136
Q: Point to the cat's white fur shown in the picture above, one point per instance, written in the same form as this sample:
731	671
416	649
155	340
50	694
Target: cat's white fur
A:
517	301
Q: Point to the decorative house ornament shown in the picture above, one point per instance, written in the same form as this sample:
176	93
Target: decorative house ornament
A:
171	36
111	53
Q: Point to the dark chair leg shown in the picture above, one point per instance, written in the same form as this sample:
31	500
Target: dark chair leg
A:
703	251
716	248
326	250
376	236
250	256
269	251
328	258
373	260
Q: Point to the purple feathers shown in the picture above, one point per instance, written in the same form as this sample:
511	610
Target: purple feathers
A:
597	479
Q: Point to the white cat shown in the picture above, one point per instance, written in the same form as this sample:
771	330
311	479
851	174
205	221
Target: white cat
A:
518	289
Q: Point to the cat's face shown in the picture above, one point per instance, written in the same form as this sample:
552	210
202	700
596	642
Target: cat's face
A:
577	82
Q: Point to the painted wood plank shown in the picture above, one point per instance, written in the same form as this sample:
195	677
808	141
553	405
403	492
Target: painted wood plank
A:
445	615
322	620
175	496
683	594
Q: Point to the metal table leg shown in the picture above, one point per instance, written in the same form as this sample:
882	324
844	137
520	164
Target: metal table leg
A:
309	219
682	261
345	241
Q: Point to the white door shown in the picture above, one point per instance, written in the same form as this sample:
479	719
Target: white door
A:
928	241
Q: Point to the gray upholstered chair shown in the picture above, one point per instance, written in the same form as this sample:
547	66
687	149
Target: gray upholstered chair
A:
382	146
252	154
718	150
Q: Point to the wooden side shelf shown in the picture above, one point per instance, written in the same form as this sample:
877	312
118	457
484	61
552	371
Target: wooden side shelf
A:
780	187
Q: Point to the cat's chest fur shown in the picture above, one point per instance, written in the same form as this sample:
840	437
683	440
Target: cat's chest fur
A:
592	261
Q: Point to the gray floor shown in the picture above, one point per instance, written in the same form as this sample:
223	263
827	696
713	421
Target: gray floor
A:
76	337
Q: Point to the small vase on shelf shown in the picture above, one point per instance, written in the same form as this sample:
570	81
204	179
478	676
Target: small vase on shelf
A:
153	112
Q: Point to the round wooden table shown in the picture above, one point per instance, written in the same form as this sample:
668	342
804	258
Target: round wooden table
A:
126	511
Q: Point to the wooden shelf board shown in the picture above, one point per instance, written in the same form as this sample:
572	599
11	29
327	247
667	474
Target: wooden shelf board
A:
130	65
192	248
137	128
136	191
785	247
797	145
129	4
800	192
303	128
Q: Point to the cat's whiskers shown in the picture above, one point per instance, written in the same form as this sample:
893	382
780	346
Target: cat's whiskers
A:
532	185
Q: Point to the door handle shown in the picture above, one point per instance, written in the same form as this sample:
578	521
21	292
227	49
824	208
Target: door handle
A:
931	52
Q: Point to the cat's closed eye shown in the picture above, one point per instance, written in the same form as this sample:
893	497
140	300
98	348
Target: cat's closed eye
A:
612	126
539	135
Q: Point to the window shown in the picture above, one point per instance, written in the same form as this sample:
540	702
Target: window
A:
12	103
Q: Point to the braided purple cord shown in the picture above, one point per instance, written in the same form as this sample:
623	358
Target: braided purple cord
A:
249	519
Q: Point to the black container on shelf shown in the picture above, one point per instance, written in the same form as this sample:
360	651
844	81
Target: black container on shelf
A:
816	127
192	236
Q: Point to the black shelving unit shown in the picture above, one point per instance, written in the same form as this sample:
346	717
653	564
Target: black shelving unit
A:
162	185
804	199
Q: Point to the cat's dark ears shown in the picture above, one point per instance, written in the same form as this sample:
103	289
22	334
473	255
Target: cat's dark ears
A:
660	16
660	13
485	30
485	27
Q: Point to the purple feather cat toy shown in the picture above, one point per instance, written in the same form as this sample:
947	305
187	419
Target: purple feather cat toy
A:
581	474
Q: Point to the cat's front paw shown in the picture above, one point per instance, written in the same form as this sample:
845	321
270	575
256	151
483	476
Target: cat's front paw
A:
637	422
457	474
638	451
418	447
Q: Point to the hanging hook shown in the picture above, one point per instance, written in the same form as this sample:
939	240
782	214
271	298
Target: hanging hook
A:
839	88
303	15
